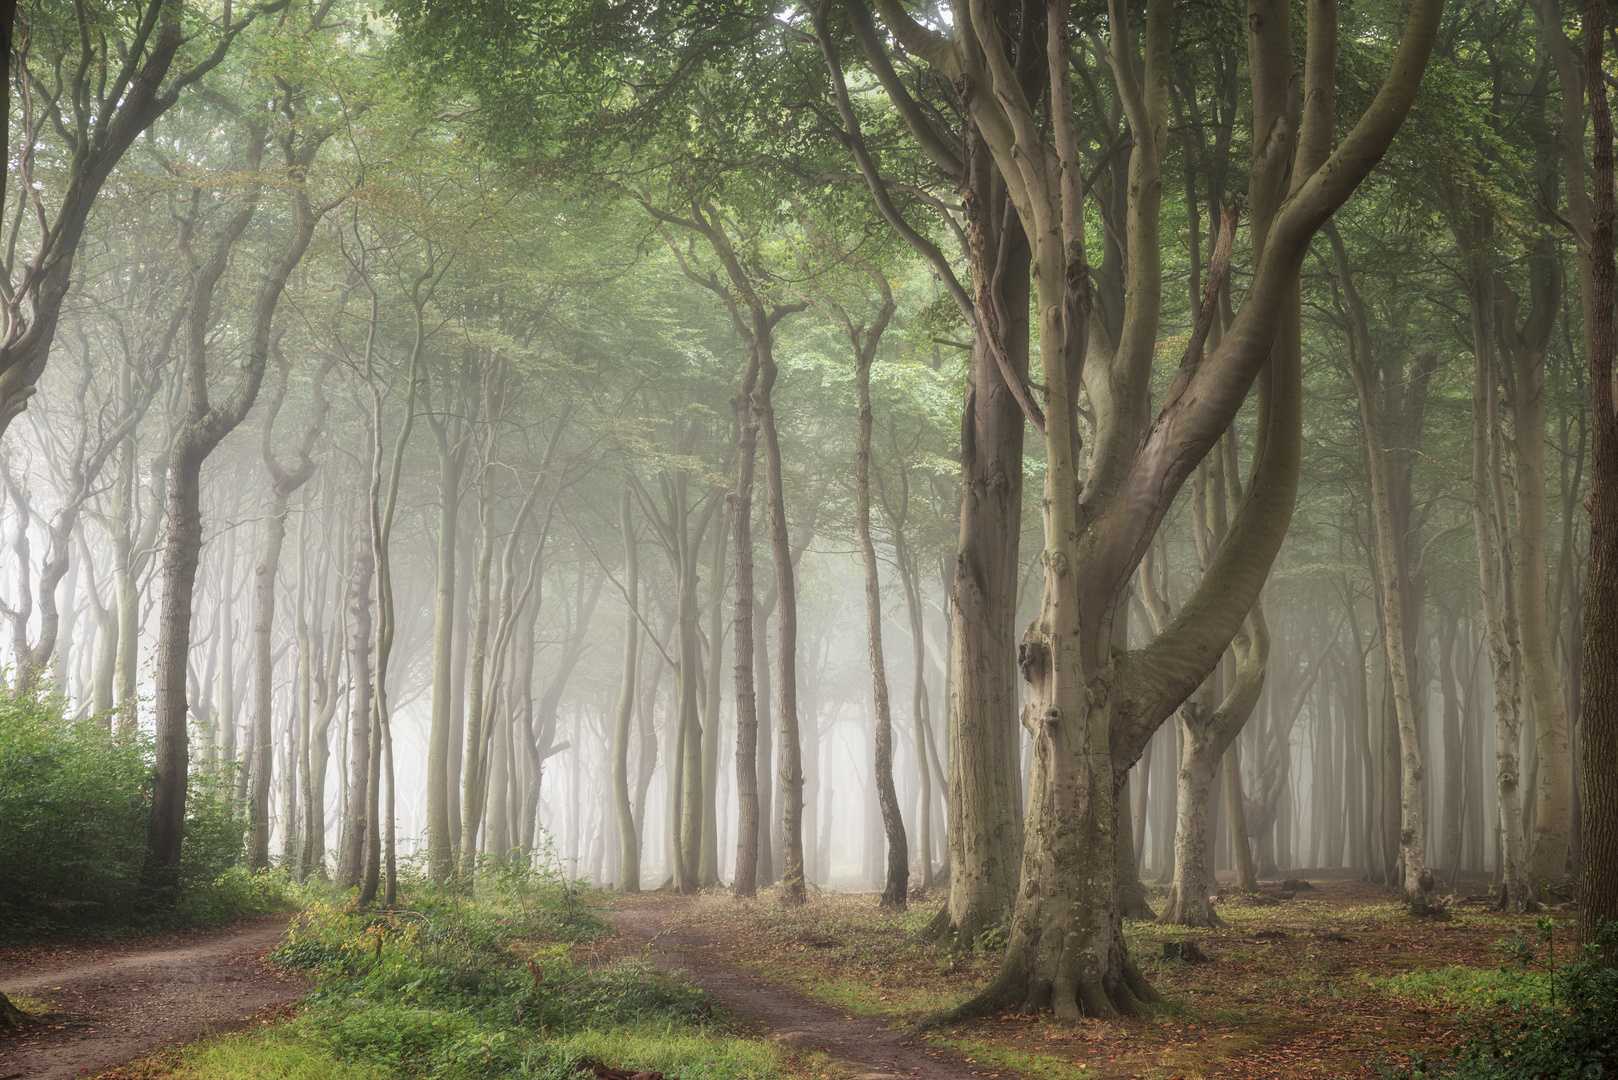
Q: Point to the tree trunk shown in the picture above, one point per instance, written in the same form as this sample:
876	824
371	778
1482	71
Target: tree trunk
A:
477	706
201	431
172	757
984	804
275	529
1395	591
985	827
1553	818
749	802
1236	815
1598	691
791	761
1495	568
440	836
351	867
918	700
708	870
897	879
628	838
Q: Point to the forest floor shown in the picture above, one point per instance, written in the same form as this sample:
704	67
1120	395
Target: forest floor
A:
110	1001
1332	982
859	1045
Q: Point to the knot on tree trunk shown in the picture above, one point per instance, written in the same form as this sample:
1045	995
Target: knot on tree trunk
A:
1033	659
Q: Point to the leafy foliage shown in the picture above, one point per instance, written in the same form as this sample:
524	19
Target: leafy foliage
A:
1570	1032
75	801
460	987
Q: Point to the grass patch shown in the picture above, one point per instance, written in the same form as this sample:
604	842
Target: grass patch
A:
1463	987
35	1007
993	1056
688	1055
477	985
272	1055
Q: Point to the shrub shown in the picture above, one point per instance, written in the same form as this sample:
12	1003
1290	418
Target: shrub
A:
1571	1035
75	801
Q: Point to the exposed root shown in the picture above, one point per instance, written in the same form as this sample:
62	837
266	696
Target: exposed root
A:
938	927
1183	911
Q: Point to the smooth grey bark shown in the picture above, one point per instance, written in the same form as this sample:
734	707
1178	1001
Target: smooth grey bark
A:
111	83
984	806
204	426
454	439
713	646
284	482
358	822
623	716
751	797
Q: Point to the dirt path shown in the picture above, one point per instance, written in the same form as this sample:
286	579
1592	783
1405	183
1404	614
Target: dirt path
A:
116	1002
859	1043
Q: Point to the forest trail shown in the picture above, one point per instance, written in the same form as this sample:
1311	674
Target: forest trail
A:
860	1044
117	1001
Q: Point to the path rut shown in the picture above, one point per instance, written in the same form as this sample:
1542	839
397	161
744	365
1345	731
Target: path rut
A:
114	1006
859	1043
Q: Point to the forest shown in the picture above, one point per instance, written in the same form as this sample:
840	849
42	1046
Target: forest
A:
996	490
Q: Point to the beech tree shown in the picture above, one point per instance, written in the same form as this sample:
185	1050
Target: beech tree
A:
1088	712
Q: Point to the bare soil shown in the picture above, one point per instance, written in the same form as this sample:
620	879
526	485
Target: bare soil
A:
859	1044
112	1002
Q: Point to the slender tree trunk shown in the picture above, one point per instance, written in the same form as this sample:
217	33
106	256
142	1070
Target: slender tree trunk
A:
1495	566
918	704
275	528
357	821
897	878
1395	591
708	871
749	803
791	760
440	836
769	831
476	718
1236	815
628	838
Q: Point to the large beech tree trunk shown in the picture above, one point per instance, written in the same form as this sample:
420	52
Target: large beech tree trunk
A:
1527	350
984	805
1495	571
1090	713
1598	690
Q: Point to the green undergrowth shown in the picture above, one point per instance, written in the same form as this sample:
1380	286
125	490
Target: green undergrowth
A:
991	1058
451	986
846	951
76	801
1550	1017
1462	987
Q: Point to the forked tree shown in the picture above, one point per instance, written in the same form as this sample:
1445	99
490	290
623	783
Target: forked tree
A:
1090	710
